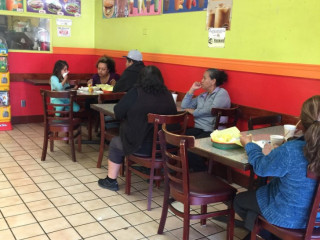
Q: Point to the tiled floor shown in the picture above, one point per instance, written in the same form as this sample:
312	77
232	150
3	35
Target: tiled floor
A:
61	200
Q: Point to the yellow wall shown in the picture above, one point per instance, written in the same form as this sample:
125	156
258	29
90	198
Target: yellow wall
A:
82	30
264	30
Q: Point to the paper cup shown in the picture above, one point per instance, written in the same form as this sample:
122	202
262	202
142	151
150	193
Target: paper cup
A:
289	131
174	95
276	140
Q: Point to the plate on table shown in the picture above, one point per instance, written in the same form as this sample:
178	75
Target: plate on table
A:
261	143
225	146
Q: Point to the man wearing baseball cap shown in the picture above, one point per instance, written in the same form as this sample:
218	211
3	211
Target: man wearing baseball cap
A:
129	77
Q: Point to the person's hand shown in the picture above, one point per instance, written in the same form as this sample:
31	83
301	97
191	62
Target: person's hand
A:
245	139
267	149
189	110
195	86
113	82
90	81
75	87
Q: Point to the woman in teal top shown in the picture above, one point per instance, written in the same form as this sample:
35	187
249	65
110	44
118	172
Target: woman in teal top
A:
285	201
59	82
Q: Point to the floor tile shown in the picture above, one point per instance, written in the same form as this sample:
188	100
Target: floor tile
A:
20	220
14	210
54	225
7	235
90	229
94	204
71	209
124	233
80	219
102	214
116	223
27	231
69	233
47	214
137	218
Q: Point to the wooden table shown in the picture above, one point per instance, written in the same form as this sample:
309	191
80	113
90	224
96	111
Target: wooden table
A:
42	82
105	108
236	158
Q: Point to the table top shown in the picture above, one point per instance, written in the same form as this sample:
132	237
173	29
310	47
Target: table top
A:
41	82
105	108
236	158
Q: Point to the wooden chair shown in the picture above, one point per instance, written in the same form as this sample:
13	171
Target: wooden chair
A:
108	134
232	118
313	226
271	120
264	121
56	121
231	113
198	188
153	162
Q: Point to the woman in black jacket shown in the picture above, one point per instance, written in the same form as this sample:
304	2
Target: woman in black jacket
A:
150	95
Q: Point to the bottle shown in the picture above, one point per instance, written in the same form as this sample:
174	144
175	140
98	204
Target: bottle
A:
90	89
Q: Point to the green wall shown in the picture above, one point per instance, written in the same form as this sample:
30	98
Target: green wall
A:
264	30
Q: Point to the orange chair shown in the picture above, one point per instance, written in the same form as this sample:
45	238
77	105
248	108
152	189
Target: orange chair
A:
198	188
153	162
108	134
56	121
313	226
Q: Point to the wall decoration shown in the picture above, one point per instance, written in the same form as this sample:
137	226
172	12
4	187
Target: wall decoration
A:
216	37
25	33
115	8
11	5
57	7
219	14
177	6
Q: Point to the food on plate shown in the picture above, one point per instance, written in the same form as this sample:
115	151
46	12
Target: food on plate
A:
72	8
108	8
35	4
226	136
105	87
54	7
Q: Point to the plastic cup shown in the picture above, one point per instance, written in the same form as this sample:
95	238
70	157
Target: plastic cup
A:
289	131
174	95
276	140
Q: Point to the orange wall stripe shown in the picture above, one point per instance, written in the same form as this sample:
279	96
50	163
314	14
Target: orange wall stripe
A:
273	68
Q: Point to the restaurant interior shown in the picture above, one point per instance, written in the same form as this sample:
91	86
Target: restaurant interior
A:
271	56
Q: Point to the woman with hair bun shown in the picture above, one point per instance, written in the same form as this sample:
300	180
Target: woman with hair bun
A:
200	107
285	201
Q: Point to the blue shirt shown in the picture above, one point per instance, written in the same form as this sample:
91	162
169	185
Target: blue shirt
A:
285	201
56	84
203	104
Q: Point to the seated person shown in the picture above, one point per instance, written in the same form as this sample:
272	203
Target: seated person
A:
200	107
106	72
150	95
129	77
285	201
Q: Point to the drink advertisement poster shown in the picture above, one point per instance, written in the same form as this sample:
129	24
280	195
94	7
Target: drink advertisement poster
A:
131	8
177	6
219	14
57	7
11	5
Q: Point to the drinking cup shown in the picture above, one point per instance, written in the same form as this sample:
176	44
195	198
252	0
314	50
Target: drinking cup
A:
174	95
276	140
289	131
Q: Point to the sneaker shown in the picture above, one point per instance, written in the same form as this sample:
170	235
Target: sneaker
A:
104	183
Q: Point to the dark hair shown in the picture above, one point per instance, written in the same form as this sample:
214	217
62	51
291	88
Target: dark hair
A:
220	76
310	119
151	81
109	62
58	66
131	60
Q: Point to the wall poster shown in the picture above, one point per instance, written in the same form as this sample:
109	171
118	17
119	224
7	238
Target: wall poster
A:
58	7
11	5
177	6
130	8
219	14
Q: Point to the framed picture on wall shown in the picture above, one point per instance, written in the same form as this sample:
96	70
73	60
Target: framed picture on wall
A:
25	33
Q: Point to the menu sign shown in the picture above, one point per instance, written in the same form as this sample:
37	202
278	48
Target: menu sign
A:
176	6
11	5
58	7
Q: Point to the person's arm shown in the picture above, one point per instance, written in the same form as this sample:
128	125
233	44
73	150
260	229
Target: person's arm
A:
56	85
221	100
120	85
125	103
275	164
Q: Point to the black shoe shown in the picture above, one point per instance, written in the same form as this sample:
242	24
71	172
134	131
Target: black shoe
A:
104	183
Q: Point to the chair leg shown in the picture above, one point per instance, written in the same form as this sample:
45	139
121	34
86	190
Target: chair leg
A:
150	188
79	142
203	211
255	230
128	176
186	221
90	126
45	146
121	171
164	208
71	141
101	149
